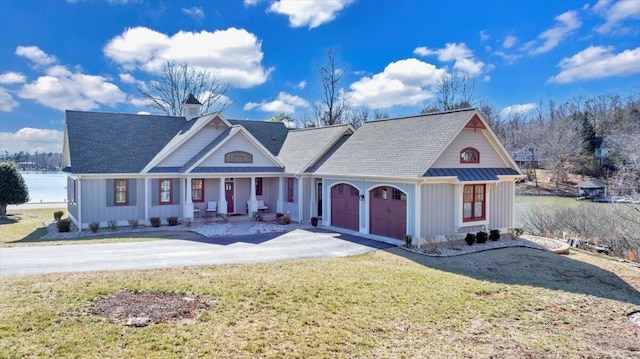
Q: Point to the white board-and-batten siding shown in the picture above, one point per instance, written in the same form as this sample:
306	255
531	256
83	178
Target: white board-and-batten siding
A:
489	157
239	142
437	209
501	205
94	208
191	147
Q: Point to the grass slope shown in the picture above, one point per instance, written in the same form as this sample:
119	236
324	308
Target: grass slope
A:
509	303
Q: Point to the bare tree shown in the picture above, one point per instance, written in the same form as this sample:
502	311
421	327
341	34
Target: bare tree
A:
333	104
172	86
455	91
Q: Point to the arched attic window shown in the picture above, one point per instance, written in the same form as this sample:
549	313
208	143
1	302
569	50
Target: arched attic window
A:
238	157
469	155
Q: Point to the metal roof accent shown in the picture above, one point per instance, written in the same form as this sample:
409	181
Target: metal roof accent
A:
471	174
192	100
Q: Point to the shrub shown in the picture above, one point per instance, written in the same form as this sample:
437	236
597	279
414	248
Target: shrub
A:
94	226
494	234
452	242
187	222
133	223
155	221
516	233
314	221
470	238
481	237
407	240
57	215
278	215
173	221
64	225
284	220
112	225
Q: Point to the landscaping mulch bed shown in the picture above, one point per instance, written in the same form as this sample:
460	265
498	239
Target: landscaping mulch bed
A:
140	309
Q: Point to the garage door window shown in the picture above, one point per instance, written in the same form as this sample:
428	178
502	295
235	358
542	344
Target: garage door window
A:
398	195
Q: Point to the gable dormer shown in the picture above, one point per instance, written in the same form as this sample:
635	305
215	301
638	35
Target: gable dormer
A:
191	107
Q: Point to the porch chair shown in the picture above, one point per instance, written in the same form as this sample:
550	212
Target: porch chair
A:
262	206
212	207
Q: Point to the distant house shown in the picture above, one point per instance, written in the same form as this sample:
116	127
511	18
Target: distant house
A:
604	147
423	175
592	188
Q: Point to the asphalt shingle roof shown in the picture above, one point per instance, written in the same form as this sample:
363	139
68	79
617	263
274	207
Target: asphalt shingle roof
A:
304	145
117	142
592	183
403	147
270	134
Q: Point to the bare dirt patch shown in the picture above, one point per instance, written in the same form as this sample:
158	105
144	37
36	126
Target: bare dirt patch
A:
140	309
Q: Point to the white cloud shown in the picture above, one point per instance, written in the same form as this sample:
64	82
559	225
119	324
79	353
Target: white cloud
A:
31	139
309	13
37	56
63	89
7	103
597	62
248	3
518	109
509	41
509	58
234	55
484	35
143	113
284	103
568	22
195	12
128	78
302	84
12	78
460	53
616	14
406	82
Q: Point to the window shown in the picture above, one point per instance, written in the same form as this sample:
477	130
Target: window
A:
398	195
469	155
121	190
238	157
258	186
354	191
473	202
290	189
197	190
165	191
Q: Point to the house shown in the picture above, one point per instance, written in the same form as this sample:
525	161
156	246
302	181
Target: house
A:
592	188
604	147
424	175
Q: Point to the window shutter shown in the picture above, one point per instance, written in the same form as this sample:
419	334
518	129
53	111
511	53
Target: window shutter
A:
155	192
111	195
132	191
175	188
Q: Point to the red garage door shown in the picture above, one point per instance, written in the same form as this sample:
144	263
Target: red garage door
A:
388	212
345	206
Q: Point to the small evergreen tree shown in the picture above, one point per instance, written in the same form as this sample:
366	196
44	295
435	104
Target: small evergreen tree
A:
13	190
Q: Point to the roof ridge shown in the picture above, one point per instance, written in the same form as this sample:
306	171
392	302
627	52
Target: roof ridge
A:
319	128
126	114
423	115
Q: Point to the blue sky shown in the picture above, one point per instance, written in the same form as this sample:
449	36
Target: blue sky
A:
91	55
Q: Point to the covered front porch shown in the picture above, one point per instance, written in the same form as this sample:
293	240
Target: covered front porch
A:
210	196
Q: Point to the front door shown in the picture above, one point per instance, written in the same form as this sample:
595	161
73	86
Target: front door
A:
228	196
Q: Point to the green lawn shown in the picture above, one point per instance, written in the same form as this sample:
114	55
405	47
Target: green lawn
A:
509	303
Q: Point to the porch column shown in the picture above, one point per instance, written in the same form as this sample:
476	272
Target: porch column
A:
313	206
79	202
147	199
253	202
222	203
187	209
280	202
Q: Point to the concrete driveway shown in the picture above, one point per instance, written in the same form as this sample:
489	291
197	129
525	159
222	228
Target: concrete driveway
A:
297	244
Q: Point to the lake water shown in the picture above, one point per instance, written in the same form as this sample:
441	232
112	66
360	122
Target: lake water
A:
46	187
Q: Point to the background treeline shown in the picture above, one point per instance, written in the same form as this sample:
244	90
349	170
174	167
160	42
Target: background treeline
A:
37	161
